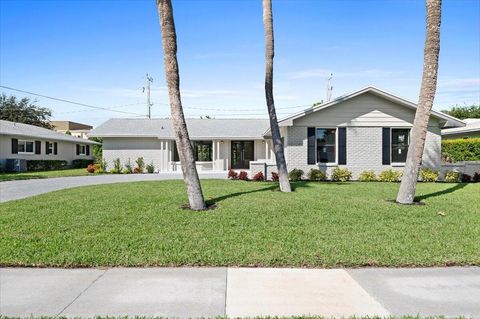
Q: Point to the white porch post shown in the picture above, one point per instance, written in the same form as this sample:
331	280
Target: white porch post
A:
214	155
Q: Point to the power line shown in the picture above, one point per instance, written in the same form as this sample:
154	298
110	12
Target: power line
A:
71	102
110	108
236	109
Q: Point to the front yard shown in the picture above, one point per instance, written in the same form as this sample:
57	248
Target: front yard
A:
43	174
318	225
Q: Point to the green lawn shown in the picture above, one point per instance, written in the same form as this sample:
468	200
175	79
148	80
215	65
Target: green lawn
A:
44	174
318	225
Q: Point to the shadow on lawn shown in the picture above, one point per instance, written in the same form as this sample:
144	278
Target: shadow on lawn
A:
442	192
273	187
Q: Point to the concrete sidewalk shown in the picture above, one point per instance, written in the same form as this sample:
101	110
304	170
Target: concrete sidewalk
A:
11	190
239	292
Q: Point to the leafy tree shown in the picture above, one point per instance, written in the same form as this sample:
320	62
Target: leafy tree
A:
464	112
24	111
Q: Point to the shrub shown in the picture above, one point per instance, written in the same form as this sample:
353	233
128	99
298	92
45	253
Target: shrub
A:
150	168
127	171
117	165
316	175
367	176
390	175
128	167
103	164
275	177
91	169
45	165
258	177
295	175
452	177
476	177
243	176
428	175
140	165
232	174
81	163
115	171
466	178
341	174
136	170
461	150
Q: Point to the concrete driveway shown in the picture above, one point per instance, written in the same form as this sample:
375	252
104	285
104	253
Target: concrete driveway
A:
11	190
240	292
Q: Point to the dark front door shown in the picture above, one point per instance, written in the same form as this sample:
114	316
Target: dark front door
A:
242	154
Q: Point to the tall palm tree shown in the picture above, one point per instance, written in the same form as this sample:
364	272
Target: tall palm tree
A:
275	130
184	147
406	194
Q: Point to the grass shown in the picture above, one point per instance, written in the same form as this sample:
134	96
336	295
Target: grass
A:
318	225
43	174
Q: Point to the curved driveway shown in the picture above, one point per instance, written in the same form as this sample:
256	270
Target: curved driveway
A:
11	190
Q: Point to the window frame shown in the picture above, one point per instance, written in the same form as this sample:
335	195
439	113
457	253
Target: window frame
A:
392	163
50	150
175	151
84	148
336	147
25	152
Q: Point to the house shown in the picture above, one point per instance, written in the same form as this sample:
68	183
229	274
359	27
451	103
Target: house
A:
75	129
470	130
28	142
365	130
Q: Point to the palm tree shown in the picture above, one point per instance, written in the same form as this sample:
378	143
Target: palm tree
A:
406	193
275	130
184	147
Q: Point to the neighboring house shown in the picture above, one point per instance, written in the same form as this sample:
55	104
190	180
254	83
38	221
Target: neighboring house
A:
75	129
471	130
29	142
366	130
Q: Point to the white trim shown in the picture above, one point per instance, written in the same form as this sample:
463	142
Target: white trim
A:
25	147
399	164
336	147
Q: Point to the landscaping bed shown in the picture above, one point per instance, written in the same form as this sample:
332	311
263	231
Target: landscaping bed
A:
320	224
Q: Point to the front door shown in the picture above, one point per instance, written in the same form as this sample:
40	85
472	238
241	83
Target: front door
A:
242	154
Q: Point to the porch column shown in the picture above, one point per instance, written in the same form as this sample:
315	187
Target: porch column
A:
214	154
267	155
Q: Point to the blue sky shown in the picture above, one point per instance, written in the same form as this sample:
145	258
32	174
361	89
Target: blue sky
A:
97	52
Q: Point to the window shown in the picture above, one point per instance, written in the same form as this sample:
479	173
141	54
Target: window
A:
25	147
83	150
50	148
400	141
202	151
326	140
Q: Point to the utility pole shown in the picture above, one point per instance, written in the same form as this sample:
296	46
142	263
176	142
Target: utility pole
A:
329	88
149	105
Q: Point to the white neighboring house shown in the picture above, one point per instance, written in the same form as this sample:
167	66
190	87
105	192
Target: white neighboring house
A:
29	142
365	130
470	130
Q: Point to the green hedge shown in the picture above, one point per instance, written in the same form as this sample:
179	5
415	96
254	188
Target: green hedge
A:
461	150
81	163
45	165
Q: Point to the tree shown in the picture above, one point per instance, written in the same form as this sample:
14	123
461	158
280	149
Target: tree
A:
24	111
406	193
184	147
275	130
464	112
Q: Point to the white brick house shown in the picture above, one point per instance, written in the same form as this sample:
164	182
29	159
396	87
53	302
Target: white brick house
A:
366	130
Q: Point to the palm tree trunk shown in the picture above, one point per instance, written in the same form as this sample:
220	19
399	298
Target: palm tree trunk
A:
185	151
406	193
276	137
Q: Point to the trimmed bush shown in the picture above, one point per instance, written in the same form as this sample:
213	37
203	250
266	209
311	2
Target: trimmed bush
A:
128	167
316	175
232	174
45	165
115	171
466	178
243	176
461	150
476	177
390	175
367	176
295	175
341	175
117	166
140	165
81	163
275	177
258	177
428	175
452	177
126	171
150	168
91	169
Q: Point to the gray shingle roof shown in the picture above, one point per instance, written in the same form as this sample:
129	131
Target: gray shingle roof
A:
20	129
473	125
197	128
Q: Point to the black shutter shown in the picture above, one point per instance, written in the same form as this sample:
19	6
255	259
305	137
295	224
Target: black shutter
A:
55	148
47	148
311	156
78	149
386	146
342	146
38	147
14	146
88	150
